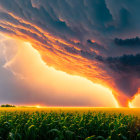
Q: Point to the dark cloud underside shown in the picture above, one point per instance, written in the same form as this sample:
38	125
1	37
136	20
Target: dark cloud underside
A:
98	39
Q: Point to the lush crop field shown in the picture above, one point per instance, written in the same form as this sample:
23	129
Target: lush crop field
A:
69	124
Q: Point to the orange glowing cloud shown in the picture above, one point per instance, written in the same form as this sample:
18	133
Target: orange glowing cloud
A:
52	52
91	43
57	88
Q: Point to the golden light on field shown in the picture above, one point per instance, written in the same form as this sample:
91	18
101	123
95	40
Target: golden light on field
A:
38	106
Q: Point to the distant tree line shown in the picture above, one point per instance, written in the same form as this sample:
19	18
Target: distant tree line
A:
8	105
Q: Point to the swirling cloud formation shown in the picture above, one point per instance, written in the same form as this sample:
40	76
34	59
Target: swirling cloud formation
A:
97	39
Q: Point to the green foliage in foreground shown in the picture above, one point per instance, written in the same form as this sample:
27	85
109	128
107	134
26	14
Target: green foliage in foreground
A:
16	125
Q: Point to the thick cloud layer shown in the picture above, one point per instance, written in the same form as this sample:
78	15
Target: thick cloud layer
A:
98	39
27	80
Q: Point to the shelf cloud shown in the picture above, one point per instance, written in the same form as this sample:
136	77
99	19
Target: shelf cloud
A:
97	39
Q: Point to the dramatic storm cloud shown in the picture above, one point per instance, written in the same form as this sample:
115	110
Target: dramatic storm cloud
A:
97	39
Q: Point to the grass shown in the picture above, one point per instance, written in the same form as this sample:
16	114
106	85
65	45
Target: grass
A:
69	123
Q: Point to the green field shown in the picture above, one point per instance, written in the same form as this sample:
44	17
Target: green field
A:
69	124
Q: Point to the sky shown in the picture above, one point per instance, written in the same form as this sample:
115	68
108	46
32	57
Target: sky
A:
70	53
27	80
